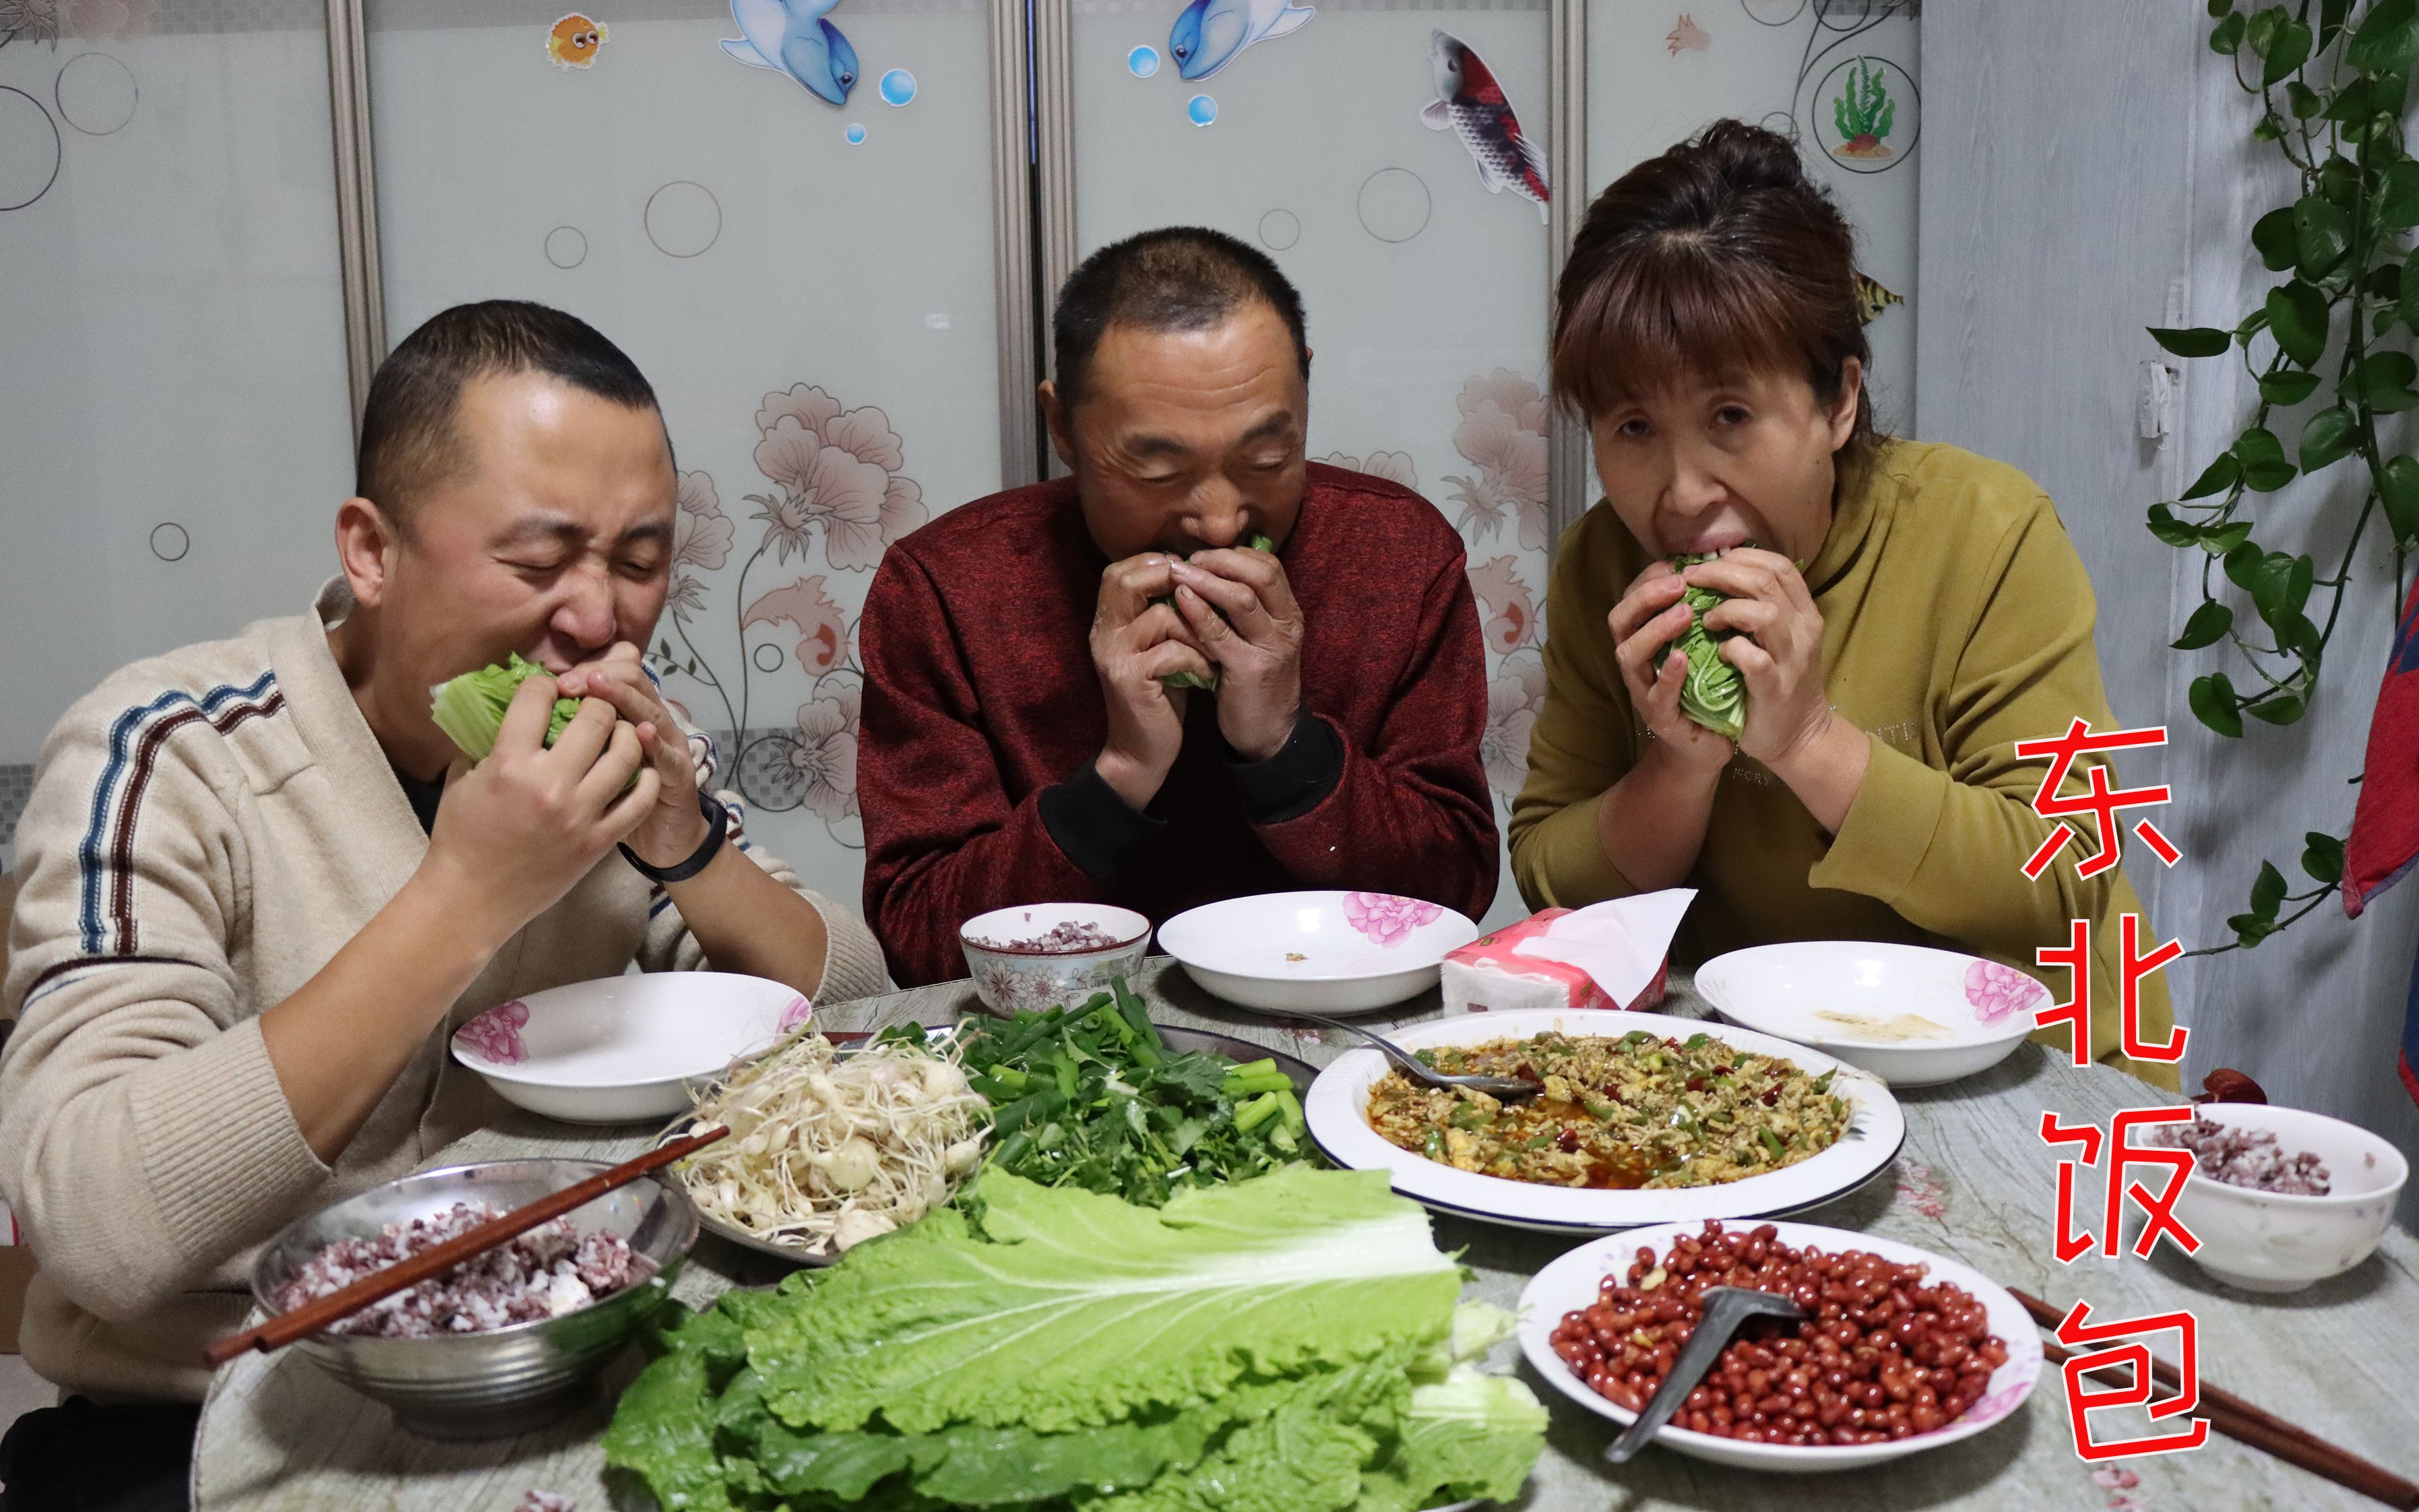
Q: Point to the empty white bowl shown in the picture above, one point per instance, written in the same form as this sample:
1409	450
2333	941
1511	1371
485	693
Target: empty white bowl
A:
1011	971
1328	952
1911	1016
2275	1240
624	1049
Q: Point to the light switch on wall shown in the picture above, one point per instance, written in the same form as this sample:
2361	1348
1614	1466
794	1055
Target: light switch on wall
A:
2154	401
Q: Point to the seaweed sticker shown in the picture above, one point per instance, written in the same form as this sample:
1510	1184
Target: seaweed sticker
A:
1863	112
1866	113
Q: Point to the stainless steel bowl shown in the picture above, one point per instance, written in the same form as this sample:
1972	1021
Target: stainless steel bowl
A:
509	1380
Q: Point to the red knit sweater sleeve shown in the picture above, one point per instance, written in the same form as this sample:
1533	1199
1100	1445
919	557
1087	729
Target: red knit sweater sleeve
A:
1413	812
942	841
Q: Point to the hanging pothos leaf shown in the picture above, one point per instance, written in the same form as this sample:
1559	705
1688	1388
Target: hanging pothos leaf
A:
2330	83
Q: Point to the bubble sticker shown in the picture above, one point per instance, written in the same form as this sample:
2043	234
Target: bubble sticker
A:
683	219
566	246
856	134
1203	109
573	40
95	94
1395	205
1143	62
897	87
31	149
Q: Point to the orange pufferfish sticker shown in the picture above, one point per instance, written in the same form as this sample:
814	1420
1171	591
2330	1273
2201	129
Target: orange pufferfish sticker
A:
573	40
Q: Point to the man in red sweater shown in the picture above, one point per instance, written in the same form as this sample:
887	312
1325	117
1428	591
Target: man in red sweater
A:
1020	745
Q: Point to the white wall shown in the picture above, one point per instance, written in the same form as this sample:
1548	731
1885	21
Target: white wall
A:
2082	156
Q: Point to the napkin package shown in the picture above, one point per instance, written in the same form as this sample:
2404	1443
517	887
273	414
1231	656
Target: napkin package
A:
1611	955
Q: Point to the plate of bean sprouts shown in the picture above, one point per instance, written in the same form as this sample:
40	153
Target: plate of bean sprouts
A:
831	1143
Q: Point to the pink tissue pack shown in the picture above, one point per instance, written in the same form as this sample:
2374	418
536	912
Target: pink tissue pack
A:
1490	975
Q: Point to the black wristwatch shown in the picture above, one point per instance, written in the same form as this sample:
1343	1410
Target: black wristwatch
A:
717	820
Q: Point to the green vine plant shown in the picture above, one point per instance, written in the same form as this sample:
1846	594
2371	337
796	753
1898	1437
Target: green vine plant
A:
2331	88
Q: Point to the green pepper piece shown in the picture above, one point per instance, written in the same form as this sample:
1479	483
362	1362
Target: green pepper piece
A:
1771	1143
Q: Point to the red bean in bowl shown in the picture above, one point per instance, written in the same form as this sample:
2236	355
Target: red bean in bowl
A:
1886	1354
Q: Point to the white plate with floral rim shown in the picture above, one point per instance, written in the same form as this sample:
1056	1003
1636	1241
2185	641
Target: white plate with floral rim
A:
1573	1282
624	1049
1337	1112
1328	952
1911	1016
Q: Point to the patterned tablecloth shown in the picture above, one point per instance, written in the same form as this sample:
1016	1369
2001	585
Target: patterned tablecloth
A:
1973	1182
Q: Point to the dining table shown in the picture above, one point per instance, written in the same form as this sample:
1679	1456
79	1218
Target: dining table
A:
1973	1181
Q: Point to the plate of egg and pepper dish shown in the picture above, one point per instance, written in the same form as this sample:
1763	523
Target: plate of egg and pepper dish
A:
1638	1119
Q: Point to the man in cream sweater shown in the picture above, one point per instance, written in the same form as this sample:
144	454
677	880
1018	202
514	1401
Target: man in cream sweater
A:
261	888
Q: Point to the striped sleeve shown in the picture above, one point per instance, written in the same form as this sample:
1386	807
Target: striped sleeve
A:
144	1136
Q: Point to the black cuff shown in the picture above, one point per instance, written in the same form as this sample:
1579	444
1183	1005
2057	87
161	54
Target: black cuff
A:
1297	779
1095	827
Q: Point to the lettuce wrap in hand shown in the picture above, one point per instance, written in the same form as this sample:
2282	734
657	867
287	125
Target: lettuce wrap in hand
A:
1256	543
470	708
1714	695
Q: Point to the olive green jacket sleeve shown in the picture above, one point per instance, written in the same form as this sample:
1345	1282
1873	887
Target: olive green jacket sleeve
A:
1946	848
1585	738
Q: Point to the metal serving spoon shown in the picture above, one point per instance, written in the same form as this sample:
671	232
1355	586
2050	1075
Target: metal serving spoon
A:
1726	1308
1501	1088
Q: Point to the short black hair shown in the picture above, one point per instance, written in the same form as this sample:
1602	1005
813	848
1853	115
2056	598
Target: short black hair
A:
1177	278
410	443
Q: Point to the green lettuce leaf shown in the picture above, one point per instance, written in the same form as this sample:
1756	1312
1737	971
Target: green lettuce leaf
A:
1715	695
664	1431
1208	684
1071	1309
1285	1344
1468	1436
470	708
1311	1454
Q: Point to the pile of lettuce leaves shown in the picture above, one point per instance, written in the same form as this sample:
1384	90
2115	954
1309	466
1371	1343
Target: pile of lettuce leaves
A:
1292	1343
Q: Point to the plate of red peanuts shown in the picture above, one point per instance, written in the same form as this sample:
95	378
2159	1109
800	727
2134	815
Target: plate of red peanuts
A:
1906	1350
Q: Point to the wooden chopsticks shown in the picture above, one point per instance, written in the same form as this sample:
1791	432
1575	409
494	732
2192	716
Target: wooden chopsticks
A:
2242	1421
284	1329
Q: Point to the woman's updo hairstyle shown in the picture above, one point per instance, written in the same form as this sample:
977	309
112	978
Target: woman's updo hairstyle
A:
1718	257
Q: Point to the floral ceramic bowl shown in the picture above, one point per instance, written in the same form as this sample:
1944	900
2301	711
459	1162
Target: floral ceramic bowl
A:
1911	1016
2282	1241
624	1049
1045	955
1328	952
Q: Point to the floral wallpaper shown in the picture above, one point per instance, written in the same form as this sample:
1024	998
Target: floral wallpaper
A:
1497	499
837	496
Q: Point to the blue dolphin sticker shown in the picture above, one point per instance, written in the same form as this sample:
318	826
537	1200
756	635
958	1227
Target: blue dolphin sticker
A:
792	36
1209	34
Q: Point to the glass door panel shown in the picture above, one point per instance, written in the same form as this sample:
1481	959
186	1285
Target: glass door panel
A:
807	284
171	401
1425	289
1840	76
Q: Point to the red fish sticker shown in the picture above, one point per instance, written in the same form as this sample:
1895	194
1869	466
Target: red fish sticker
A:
1470	103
